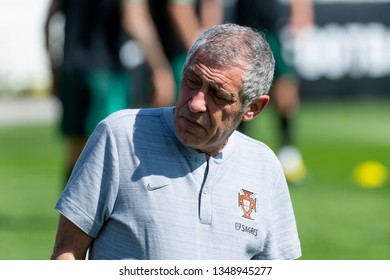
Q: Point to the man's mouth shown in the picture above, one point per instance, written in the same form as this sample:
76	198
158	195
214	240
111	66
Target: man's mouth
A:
191	123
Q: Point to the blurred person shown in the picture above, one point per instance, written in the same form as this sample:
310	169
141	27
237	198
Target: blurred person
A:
180	182
91	81
265	16
179	23
139	24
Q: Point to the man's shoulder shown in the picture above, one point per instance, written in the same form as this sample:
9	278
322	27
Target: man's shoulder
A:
132	114
254	149
141	120
249	143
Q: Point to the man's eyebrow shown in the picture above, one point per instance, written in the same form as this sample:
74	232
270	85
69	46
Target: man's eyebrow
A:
190	71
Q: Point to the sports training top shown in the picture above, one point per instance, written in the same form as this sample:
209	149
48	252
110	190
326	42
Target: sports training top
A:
143	195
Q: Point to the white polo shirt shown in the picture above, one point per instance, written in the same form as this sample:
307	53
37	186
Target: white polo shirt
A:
143	195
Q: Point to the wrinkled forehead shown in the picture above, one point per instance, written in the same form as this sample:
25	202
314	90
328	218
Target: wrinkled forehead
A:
220	59
214	66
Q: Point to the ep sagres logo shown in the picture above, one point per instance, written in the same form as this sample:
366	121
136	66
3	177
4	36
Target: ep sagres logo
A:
247	202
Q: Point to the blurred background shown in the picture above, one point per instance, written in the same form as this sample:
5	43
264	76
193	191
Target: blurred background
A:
342	129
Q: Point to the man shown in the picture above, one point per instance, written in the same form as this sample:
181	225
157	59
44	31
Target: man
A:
182	183
91	81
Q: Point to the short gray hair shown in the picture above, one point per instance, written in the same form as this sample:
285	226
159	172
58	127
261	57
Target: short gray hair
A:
232	44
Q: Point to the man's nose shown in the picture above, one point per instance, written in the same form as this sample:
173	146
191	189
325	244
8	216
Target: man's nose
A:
198	102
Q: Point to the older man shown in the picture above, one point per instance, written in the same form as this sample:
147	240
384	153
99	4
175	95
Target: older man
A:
181	182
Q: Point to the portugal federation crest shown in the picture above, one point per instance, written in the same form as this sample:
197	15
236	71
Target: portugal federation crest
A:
247	203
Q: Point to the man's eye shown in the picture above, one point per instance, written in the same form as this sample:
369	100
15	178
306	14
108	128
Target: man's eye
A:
219	98
191	82
221	101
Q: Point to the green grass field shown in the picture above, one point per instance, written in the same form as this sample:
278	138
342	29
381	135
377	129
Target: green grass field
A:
336	218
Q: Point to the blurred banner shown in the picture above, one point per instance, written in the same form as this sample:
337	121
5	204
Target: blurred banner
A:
347	53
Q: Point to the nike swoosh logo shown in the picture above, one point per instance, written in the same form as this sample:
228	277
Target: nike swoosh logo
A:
150	188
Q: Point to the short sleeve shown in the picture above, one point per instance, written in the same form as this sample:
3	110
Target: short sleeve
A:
90	194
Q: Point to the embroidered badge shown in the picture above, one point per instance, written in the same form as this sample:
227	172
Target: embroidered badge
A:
247	202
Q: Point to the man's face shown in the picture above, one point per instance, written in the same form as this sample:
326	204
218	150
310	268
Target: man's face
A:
209	107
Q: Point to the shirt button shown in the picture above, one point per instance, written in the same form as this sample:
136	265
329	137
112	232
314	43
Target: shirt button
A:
198	159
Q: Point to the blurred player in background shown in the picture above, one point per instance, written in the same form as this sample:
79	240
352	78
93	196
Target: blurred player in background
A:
179	23
91	81
265	17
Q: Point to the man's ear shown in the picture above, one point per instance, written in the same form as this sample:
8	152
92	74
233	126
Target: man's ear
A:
255	108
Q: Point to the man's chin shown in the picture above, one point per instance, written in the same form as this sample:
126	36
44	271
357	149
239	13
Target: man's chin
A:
188	139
